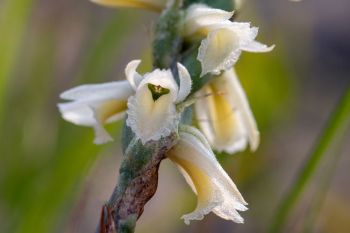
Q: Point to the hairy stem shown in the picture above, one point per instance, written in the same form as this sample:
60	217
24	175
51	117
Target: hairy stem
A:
138	180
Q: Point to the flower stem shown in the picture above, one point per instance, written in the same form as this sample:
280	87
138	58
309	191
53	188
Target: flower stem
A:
335	129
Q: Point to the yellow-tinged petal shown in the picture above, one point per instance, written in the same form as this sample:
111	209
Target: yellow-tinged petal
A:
152	111
154	5
96	104
224	115
151	119
219	51
224	40
199	17
215	190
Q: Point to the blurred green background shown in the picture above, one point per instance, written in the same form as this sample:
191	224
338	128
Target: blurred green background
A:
52	177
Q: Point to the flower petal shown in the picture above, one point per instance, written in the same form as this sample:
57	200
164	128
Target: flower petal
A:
149	118
115	90
154	5
131	74
225	116
95	105
257	47
219	51
185	83
215	190
200	16
224	44
162	78
219	121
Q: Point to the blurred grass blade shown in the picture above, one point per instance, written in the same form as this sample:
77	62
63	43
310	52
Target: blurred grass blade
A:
323	187
13	20
333	132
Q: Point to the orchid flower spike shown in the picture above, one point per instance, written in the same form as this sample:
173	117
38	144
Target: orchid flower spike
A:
224	40
215	190
152	110
153	5
224	115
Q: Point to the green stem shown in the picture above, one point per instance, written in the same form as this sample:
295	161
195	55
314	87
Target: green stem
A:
334	130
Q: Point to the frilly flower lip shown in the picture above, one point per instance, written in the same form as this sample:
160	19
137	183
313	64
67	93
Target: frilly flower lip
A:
152	110
224	115
215	190
224	40
154	5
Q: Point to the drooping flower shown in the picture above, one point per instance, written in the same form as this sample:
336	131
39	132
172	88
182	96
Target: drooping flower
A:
215	190
224	115
224	40
152	110
154	5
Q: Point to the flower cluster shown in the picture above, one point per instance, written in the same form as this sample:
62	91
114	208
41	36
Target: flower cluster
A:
151	104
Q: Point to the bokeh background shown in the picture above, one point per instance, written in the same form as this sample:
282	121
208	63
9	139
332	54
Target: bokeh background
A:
53	179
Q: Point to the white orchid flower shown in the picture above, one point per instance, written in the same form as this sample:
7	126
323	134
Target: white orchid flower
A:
215	190
96	104
152	111
154	5
224	115
225	40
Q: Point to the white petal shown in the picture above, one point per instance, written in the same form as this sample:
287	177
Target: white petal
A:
219	121
78	113
101	135
152	119
240	102
149	119
200	16
219	51
244	31
185	83
95	105
224	44
224	115
163	78
215	190
257	47
155	5
131	74
116	90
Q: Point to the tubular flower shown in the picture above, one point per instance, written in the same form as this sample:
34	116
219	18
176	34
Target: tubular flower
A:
152	110
154	5
224	40
215	191
224	115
